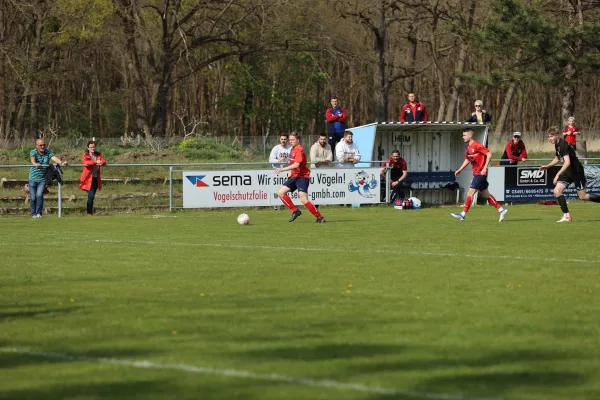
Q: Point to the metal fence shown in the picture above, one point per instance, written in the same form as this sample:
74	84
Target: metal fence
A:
170	179
174	168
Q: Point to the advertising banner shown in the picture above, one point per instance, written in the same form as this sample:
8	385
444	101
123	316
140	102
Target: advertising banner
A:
531	184
211	189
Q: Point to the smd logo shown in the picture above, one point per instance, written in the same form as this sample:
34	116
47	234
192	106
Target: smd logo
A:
531	177
197	180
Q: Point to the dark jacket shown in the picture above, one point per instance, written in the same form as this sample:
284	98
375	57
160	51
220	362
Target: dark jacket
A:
485	117
53	172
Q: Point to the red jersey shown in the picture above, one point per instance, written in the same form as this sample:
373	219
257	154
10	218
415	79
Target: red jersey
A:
297	155
569	134
475	152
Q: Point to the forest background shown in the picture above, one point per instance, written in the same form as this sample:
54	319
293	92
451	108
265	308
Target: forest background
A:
256	68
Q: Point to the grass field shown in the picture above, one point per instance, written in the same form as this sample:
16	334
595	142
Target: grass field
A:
374	304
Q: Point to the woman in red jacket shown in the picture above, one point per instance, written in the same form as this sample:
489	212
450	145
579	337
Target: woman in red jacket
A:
90	176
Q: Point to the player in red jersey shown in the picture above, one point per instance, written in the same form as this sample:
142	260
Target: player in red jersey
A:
299	179
570	133
479	157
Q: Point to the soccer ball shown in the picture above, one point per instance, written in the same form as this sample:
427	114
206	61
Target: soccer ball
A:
243	219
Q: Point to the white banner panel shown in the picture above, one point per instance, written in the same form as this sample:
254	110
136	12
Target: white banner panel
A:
211	189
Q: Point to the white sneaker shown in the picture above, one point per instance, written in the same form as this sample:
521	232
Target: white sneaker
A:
565	219
502	214
459	217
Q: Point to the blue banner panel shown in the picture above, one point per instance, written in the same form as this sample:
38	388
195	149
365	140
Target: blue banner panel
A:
531	184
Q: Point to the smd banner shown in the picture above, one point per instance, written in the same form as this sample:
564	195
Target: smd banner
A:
210	189
531	184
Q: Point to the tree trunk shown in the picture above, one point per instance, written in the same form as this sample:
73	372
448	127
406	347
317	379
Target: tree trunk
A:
505	108
135	69
460	65
574	18
412	43
381	90
457	85
3	74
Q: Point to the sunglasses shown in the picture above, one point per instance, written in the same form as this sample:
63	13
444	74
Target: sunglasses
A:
477	105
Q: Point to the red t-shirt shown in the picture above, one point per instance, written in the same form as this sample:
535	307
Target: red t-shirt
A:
475	153
396	164
297	155
570	137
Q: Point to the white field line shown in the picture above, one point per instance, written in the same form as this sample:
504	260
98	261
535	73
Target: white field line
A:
235	373
318	249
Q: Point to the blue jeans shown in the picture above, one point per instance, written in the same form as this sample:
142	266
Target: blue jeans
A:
36	197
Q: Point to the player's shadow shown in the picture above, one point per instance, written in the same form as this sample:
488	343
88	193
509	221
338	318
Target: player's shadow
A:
491	385
337	221
24	355
326	352
67	389
480	377
36	313
511	220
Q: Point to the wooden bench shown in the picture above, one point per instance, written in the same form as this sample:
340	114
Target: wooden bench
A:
429	178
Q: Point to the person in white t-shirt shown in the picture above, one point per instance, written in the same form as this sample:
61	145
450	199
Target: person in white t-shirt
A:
346	152
280	154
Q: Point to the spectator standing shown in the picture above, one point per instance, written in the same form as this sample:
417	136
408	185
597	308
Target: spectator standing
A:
479	157
320	153
90	180
40	158
346	152
479	115
336	122
280	154
570	133
413	110
515	151
398	173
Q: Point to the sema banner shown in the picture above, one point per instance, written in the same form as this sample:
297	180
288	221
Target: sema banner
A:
531	184
210	189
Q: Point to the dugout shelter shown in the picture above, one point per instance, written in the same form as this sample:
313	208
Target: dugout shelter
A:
432	150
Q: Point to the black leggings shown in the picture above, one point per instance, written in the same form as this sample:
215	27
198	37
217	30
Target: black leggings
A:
91	195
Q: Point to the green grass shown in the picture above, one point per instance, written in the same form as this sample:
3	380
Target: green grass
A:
412	300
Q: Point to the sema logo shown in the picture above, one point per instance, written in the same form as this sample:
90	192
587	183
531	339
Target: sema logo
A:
531	177
197	180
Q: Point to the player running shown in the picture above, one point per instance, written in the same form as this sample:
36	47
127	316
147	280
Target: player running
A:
479	157
299	179
571	172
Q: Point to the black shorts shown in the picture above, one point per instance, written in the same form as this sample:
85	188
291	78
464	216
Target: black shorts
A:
577	178
479	182
297	183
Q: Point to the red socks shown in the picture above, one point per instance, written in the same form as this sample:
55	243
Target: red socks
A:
313	210
288	203
310	206
468	204
492	200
